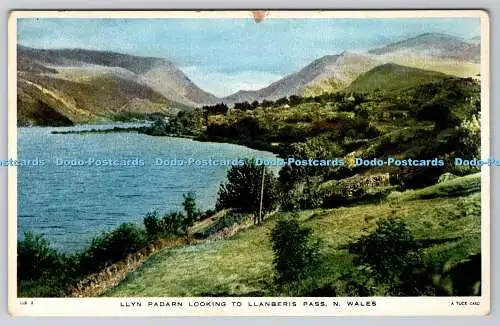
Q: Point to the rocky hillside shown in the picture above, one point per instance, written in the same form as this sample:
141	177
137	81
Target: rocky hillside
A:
431	51
333	71
434	45
61	87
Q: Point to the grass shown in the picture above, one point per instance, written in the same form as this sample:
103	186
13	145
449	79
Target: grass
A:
446	220
392	77
460	186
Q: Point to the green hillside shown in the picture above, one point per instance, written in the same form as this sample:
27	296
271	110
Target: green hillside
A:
437	206
391	77
242	264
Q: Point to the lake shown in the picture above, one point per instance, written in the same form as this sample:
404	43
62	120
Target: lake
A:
70	204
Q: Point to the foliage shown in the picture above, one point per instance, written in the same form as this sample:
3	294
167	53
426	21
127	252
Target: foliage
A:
216	109
316	148
450	234
190	209
392	256
173	223
36	259
152	224
243	189
295	253
187	123
337	192
246	106
45	272
110	247
469	134
301	195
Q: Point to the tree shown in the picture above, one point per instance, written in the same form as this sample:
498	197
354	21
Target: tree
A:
295	253
438	111
243	189
173	223
469	135
282	101
219	108
295	100
152	224
189	205
392	256
267	103
243	106
35	257
316	148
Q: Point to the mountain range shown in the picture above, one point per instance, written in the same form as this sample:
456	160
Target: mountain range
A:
65	86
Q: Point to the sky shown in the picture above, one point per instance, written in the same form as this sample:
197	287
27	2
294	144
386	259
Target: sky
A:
223	56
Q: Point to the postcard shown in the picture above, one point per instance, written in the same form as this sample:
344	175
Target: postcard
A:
249	163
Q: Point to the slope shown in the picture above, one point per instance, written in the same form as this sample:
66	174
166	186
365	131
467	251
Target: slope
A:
391	77
242	265
433	45
335	70
91	86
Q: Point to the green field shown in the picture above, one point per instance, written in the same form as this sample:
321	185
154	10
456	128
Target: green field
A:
445	218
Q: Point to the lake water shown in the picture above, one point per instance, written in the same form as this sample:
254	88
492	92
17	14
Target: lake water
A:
71	204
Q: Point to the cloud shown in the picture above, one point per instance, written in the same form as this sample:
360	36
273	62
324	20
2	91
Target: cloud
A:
223	84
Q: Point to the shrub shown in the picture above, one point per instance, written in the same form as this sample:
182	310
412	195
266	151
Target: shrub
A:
392	257
316	148
355	283
36	259
174	223
152	224
469	137
110	247
189	204
295	254
301	195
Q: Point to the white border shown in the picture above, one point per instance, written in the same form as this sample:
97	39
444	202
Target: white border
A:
401	306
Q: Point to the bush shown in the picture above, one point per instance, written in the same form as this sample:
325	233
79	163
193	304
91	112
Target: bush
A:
189	204
302	195
295	254
355	283
392	257
113	246
36	259
173	223
44	272
469	138
152	224
316	148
